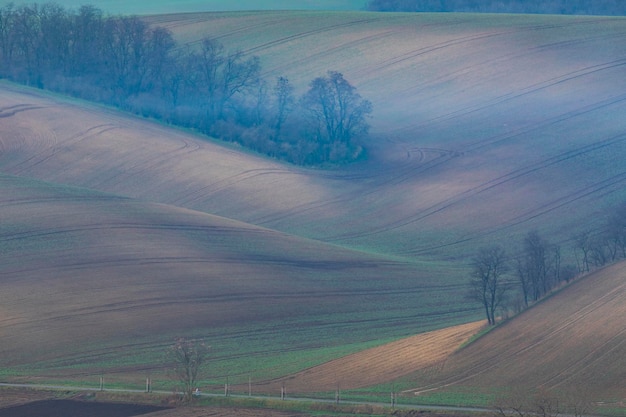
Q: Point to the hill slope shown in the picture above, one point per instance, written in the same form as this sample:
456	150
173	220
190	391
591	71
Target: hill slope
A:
573	342
380	364
94	280
481	123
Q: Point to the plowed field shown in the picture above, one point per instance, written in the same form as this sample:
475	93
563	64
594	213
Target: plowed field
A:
118	234
574	343
382	364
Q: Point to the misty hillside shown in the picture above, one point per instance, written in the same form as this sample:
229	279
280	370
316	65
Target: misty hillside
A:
580	7
120	232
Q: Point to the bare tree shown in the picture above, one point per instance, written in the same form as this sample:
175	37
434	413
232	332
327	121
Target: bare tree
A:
512	403
523	276
53	50
337	113
521	403
187	358
615	232
7	37
283	103
599	253
222	76
125	42
583	242
578	402
27	34
539	266
487	285
124	61
86	42
546	404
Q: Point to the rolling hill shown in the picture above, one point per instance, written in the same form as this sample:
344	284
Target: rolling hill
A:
475	116
118	233
254	292
571	344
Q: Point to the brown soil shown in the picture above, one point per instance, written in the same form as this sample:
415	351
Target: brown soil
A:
383	363
573	343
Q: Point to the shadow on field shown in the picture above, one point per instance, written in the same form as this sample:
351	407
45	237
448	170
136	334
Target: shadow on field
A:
65	408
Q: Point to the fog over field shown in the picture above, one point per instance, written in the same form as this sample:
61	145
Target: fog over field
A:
119	233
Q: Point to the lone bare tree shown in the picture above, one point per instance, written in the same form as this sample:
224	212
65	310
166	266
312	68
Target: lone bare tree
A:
187	357
486	283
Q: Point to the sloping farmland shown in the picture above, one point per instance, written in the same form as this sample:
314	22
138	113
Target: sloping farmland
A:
94	281
485	127
571	344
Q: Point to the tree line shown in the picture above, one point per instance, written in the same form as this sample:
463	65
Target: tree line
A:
589	7
123	61
501	283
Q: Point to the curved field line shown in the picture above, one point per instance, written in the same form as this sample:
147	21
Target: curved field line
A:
335	48
18	108
369	184
606	186
474	147
464	39
56	148
510	57
586	362
423	51
186	146
517	94
379	364
517	55
499	356
240	29
290	38
308	33
230	181
498	181
10	111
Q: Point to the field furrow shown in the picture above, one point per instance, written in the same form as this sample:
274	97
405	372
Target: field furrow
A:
118	234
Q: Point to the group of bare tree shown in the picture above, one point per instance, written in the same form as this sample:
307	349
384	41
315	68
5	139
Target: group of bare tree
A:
537	270
542	403
591	7
123	61
501	282
604	245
